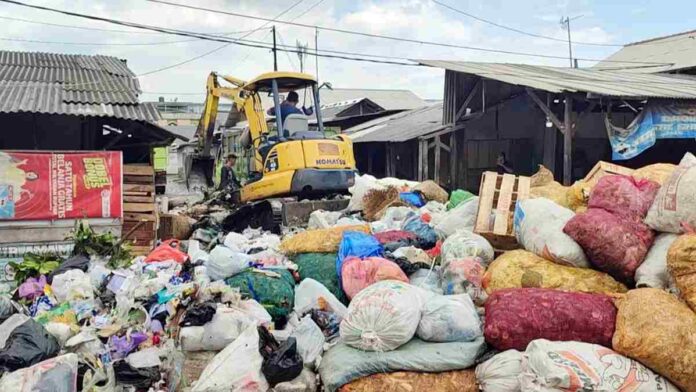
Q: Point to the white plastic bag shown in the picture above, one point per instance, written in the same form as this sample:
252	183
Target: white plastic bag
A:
236	368
539	229
225	262
449	318
392	219
382	316
310	340
427	279
653	272
227	324
235	241
363	184
62	332
55	374
307	295
500	373
148	357
72	285
463	216
412	254
577	367
464	243
321	219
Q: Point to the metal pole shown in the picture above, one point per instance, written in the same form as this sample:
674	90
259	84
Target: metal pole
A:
275	50
316	52
317	108
570	44
567	141
276	106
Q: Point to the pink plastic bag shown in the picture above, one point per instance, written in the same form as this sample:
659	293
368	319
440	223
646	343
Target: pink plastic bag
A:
624	196
32	287
515	317
357	274
613	244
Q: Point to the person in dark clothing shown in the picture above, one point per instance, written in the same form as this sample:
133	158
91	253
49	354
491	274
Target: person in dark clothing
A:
228	180
502	165
289	106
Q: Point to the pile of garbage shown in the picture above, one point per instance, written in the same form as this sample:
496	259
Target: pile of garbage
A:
397	292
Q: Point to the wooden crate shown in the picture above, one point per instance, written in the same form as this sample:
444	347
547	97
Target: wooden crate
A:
498	195
602	169
140	218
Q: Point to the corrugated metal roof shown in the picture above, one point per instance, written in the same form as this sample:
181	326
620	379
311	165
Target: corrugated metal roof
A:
388	99
557	80
399	127
677	52
71	84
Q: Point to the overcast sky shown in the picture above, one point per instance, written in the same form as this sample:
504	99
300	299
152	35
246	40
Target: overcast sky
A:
620	21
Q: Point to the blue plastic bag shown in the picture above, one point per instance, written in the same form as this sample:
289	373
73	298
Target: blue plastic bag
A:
357	244
412	198
427	237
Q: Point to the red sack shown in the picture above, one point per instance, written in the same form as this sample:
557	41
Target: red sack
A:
386	237
515	317
624	196
613	244
168	250
356	274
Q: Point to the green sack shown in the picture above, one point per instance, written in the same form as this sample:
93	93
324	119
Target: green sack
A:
322	268
276	294
457	197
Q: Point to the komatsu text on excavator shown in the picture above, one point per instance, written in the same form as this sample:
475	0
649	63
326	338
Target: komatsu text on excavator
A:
288	158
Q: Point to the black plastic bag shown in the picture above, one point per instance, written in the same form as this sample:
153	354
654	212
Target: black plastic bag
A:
140	378
405	265
199	314
27	345
281	362
80	262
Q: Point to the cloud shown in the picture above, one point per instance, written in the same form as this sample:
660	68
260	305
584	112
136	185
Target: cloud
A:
416	19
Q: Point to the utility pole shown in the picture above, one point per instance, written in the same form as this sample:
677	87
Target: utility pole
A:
565	22
316	52
275	50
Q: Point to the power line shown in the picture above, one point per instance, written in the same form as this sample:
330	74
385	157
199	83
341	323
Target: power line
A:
97	43
313	6
381	36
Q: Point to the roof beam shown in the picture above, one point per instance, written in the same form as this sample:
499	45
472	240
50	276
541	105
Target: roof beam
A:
462	109
546	110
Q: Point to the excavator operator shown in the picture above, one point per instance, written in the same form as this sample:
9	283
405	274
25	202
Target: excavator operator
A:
289	106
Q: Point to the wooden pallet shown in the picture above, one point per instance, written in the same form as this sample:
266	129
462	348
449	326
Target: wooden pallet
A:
140	218
602	169
497	198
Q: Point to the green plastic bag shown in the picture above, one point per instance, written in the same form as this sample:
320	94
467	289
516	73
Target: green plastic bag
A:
457	197
322	268
275	293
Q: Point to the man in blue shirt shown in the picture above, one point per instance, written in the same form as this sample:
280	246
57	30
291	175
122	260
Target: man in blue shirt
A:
289	106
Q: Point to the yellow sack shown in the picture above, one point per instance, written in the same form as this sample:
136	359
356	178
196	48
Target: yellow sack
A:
432	191
318	241
519	268
452	381
681	261
656	329
659	172
578	195
552	191
542	177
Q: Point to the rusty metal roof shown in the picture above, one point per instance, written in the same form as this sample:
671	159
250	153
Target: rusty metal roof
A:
55	83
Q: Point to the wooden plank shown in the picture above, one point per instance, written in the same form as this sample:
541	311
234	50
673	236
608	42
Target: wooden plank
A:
523	187
138	199
139	188
145	180
136	217
138	207
140	250
502	211
486	194
137	170
436	176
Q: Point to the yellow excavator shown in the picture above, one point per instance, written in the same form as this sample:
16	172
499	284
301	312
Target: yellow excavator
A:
288	160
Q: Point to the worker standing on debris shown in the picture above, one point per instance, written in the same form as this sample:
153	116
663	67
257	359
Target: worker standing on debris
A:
289	106
228	180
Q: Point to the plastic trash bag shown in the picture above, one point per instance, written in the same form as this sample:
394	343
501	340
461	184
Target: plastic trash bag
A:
358	274
452	381
580	367
464	243
653	271
305	382
463	216
62	332
464	276
121	346
236	368
321	219
9	325
168	250
57	374
539	229
199	314
681	260
145	358
281	361
80	262
356	244
7	308
310	340
363	184
449	318
32	288
225	326
272	288
432	191
382	317
412	198
225	262
72	285
624	196
500	373
310	294
322	268
27	345
140	378
318	241
427	279
457	197
392	219
426	234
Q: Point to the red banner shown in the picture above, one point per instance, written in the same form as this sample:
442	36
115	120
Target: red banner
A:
60	185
